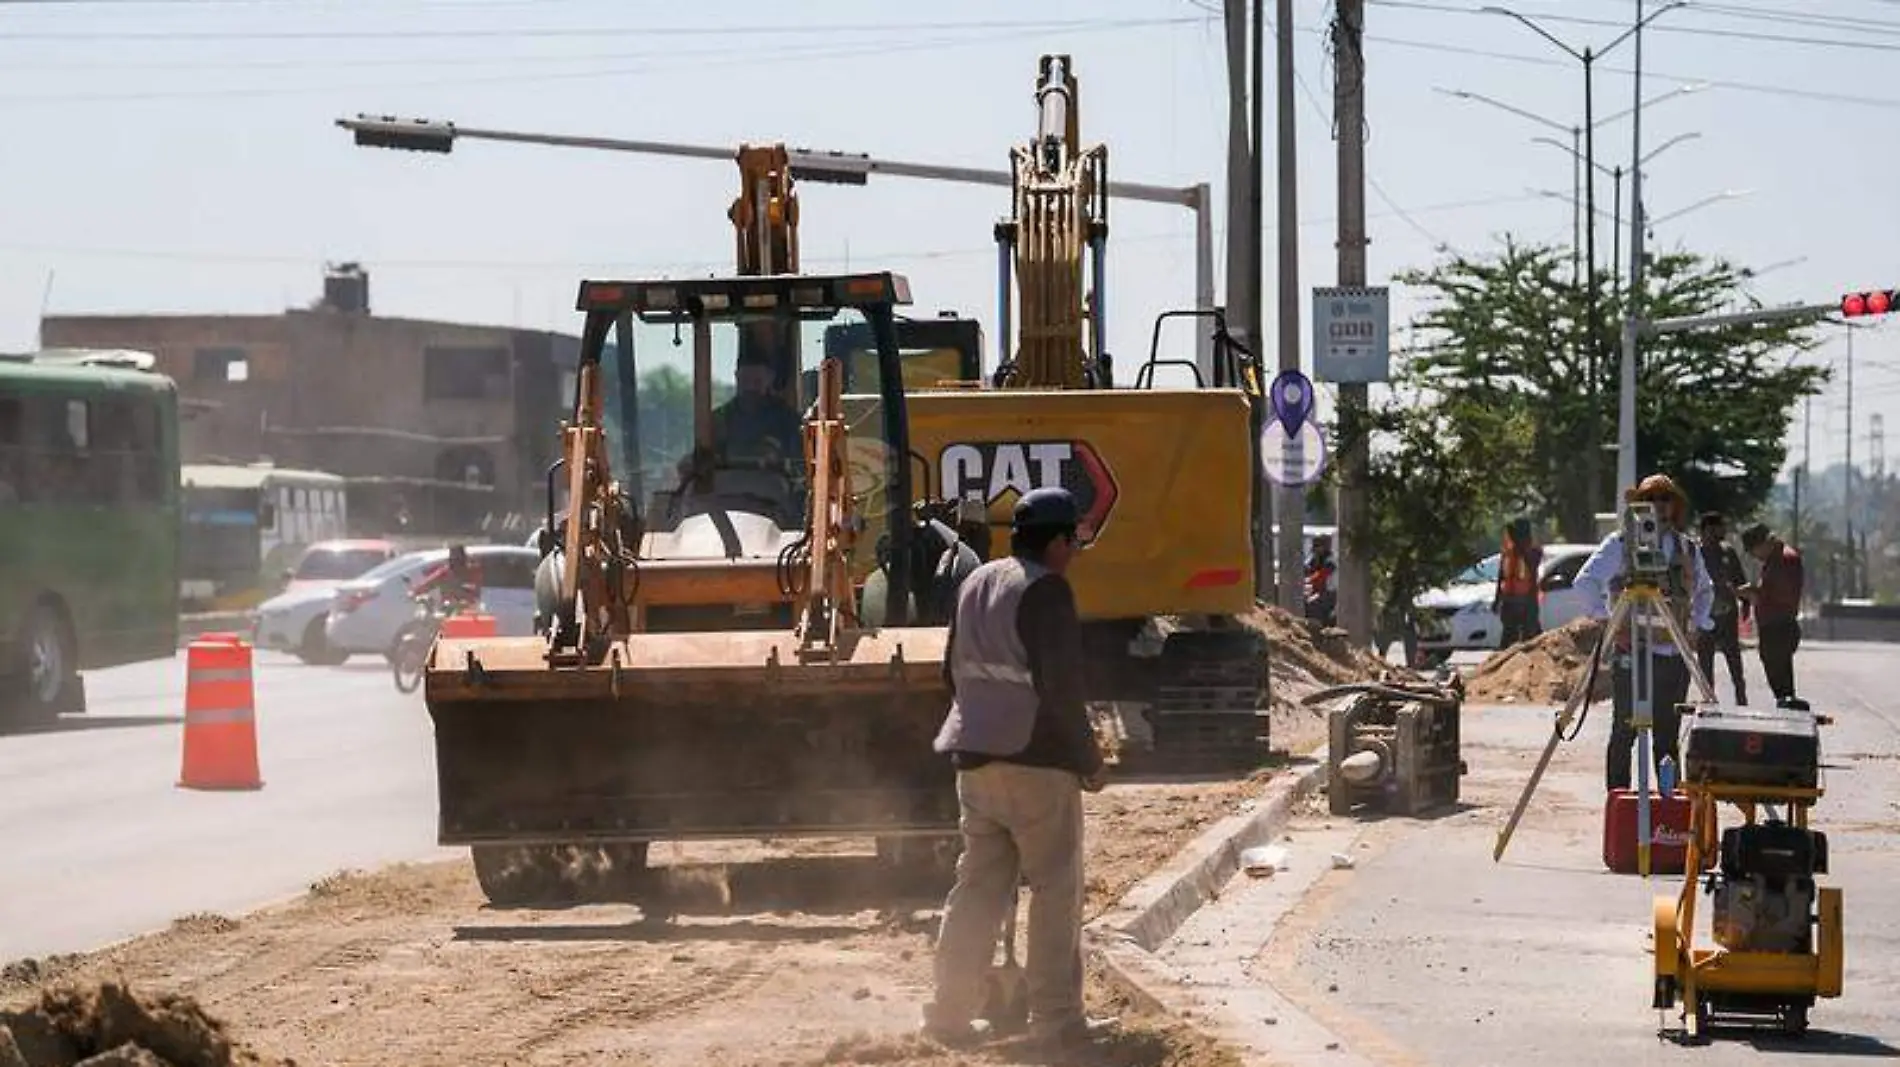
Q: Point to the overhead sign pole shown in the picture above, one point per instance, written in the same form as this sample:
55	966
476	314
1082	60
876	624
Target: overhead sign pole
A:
834	168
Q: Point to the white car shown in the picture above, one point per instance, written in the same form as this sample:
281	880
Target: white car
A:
293	620
1458	617
369	611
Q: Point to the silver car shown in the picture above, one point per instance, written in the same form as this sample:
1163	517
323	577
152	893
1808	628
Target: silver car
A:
368	612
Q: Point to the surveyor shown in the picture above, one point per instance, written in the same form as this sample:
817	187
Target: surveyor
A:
1024	751
1515	603
1687	594
1776	597
1728	609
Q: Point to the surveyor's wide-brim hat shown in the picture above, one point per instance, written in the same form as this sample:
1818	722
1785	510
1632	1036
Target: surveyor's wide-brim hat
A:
1655	489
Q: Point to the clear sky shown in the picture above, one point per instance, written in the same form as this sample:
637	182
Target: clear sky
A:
179	155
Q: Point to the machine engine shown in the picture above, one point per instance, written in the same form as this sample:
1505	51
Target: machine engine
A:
1764	893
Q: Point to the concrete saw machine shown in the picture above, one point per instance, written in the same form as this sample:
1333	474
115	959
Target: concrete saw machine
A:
700	670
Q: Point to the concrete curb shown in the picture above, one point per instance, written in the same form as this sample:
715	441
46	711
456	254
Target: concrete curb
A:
1156	907
1123	939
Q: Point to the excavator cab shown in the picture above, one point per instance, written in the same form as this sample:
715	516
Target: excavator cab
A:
702	673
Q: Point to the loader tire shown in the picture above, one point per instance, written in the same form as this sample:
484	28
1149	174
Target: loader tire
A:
514	877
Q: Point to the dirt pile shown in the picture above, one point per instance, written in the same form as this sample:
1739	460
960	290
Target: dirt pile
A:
107	1025
1305	657
1543	670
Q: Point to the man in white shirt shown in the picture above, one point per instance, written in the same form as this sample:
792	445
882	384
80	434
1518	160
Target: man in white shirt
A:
1689	596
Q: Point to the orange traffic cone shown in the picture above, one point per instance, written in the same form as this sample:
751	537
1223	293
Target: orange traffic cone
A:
473	625
220	715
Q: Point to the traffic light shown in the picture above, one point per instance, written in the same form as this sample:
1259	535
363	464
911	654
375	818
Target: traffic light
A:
413	135
1873	302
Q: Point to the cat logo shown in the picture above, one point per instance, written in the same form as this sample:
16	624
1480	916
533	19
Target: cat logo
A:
999	472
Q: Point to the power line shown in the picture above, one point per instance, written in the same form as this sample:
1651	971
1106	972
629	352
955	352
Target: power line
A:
737	57
1723	83
1695	31
570	265
806	29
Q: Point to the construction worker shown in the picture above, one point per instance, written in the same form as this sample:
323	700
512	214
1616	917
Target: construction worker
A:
1687	595
1515	603
1724	565
1020	739
1776	598
1322	581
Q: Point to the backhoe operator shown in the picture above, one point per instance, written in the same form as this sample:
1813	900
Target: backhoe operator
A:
757	425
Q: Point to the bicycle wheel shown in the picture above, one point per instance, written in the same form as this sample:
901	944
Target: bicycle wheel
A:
412	654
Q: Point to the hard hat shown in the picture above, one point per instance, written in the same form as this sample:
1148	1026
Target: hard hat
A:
1045	508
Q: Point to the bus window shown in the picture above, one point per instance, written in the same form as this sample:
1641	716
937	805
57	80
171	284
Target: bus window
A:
78	435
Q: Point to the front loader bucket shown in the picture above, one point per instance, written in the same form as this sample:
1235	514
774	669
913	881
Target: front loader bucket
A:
690	736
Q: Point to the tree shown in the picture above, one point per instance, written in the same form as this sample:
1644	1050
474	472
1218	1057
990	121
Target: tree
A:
1508	333
1444	473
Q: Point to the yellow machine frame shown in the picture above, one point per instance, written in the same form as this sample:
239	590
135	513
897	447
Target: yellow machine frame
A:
1693	973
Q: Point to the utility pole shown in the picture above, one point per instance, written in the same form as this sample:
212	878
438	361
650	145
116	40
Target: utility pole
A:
1626	474
1291	500
1243	249
1349	111
1847	490
1801	475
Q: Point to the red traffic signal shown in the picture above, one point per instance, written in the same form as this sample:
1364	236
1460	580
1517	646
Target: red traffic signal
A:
1875	302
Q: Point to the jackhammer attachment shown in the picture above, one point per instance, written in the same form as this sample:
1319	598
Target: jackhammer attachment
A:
681	736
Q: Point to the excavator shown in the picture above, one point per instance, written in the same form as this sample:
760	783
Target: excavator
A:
701	670
1164	475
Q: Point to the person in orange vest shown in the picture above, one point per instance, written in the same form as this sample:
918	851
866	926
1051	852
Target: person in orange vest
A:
1322	581
1688	596
1515	603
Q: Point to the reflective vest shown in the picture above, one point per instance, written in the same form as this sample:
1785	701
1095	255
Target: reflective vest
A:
1678	589
1515	575
1318	577
994	709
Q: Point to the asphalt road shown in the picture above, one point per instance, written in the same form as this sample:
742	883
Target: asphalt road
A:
97	842
1426	952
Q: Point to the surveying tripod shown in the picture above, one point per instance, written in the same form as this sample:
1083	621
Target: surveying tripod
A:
1640	606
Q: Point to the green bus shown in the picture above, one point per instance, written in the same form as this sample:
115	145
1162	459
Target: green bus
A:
89	522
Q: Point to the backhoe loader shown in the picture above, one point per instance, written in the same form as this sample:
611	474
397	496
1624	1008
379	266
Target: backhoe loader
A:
702	673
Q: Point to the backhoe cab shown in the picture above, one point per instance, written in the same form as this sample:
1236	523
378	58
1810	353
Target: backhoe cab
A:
703	672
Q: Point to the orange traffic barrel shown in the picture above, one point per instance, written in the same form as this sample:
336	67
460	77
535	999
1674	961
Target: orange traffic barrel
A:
472	625
220	715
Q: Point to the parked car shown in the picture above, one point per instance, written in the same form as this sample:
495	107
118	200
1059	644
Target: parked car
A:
293	620
1458	617
368	612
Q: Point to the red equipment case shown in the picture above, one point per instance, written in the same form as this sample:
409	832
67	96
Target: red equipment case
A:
1668	833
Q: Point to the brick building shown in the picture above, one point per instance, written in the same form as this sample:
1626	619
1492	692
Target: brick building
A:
449	424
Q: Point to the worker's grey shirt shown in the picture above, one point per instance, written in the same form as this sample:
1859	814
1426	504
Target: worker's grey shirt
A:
1597	582
1015	667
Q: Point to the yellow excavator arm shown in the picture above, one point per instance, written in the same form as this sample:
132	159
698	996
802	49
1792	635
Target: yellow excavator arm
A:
1059	213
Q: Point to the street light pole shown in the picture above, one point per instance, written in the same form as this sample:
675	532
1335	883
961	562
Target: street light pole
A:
1587	58
836	168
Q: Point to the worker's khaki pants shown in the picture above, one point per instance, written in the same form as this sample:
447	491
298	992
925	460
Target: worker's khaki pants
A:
1026	819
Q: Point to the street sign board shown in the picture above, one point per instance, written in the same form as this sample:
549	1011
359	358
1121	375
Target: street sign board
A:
1293	459
1351	334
